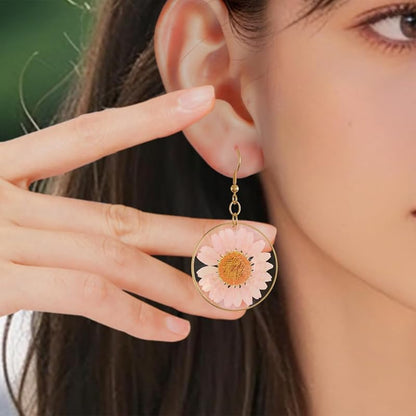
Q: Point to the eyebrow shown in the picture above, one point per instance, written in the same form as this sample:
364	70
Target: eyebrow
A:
313	7
325	5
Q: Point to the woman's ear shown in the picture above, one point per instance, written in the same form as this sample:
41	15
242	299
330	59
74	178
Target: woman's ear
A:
194	45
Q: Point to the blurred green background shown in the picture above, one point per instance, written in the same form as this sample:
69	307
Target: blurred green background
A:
40	43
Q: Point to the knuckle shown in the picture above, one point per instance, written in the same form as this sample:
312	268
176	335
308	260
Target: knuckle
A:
6	192
9	200
122	220
116	219
94	289
142	315
115	251
86	127
7	170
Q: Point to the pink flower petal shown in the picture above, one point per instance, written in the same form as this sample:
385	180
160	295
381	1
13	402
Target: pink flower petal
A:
256	248
205	284
208	256
259	283
246	242
223	287
218	244
246	294
266	277
232	297
210	281
217	294
228	300
262	266
207	271
261	257
217	283
254	290
212	293
228	239
238	298
240	236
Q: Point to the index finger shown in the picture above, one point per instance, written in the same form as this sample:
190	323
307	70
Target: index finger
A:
68	145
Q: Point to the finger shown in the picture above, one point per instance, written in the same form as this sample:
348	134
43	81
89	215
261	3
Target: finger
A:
155	234
86	294
127	267
86	138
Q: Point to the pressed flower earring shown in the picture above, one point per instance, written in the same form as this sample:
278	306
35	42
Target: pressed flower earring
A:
234	265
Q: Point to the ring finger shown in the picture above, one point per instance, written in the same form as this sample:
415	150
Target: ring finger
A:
125	266
73	292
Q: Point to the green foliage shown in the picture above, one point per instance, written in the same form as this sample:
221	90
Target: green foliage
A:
39	49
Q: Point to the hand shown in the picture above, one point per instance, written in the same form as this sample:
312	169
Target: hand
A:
67	255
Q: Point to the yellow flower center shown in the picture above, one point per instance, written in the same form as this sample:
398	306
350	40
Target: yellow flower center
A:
234	268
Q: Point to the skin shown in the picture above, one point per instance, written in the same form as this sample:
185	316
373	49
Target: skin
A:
89	252
326	116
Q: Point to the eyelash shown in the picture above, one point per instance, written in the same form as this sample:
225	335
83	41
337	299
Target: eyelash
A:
387	12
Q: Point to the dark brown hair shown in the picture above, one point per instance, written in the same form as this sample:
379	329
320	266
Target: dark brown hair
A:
79	367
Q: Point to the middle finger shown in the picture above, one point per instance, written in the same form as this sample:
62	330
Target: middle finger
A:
125	266
152	233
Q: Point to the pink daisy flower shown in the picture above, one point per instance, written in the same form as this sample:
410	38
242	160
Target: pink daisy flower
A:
236	267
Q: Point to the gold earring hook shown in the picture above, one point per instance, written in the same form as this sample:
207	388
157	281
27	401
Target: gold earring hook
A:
238	166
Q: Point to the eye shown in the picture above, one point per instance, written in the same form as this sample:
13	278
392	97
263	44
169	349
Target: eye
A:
391	26
399	28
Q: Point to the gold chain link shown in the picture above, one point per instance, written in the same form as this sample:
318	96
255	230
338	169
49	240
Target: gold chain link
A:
234	189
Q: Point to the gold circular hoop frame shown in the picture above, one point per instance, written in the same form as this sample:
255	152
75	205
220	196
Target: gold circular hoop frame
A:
274	276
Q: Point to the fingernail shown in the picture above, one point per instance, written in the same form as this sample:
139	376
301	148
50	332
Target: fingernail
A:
178	326
196	97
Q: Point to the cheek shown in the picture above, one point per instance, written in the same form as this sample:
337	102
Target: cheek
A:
342	149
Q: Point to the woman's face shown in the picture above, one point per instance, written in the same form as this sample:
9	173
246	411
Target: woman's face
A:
336	111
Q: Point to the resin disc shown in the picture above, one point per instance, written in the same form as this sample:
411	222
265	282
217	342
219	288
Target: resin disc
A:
234	267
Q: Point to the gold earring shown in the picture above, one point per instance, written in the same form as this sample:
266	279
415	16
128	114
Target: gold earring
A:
234	265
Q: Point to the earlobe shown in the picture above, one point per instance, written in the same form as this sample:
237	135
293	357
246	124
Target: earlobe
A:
194	45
